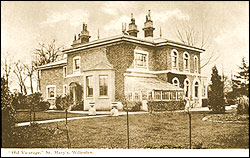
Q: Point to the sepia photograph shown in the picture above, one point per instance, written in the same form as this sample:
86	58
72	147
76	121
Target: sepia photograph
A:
125	78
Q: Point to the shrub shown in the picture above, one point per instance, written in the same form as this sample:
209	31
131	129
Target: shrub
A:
44	105
243	105
166	105
34	99
20	101
63	102
205	102
59	105
78	106
132	106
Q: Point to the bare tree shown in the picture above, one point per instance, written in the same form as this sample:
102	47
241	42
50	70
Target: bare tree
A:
45	55
30	72
197	36
19	71
6	68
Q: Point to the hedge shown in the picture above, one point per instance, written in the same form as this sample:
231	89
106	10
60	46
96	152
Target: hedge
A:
133	106
165	105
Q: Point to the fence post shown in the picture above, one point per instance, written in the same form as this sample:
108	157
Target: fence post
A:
34	115
67	129
127	126
190	134
30	116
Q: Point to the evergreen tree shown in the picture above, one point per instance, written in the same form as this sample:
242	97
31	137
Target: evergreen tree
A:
241	83
8	114
216	96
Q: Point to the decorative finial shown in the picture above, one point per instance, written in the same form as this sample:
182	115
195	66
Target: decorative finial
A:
75	37
149	17
98	35
160	33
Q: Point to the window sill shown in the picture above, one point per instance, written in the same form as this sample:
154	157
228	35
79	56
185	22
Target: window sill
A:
103	97
90	97
51	98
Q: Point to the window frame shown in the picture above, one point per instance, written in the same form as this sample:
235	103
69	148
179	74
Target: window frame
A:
106	76
188	62
76	71
185	89
87	86
176	79
47	92
196	64
135	59
177	59
196	86
65	71
64	89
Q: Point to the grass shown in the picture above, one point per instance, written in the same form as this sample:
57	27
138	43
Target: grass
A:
24	116
157	130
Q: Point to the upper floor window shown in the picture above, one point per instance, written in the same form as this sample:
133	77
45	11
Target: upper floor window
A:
141	59
196	64
174	55
103	85
89	86
175	81
64	89
51	92
76	64
64	71
186	61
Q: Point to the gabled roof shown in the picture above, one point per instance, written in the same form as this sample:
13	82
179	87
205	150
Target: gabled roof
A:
123	37
54	64
104	65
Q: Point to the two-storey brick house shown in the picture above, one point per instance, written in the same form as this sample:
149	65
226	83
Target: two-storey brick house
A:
109	69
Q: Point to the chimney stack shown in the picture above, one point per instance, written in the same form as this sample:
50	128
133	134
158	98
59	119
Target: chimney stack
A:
148	26
83	37
132	28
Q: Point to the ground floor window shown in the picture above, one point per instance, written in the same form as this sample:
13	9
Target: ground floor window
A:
51	92
103	85
196	88
165	95
89	84
150	95
137	96
157	95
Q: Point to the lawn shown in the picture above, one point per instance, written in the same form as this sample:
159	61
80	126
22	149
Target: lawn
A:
24	116
158	130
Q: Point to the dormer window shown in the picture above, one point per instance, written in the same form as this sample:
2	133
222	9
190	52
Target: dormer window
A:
186	61
176	82
141	59
174	55
76	64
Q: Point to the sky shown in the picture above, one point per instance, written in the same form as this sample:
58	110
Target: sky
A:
25	24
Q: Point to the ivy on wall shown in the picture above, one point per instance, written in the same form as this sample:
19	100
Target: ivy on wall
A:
121	56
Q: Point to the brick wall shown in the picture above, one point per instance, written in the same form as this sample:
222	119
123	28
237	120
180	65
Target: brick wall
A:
52	76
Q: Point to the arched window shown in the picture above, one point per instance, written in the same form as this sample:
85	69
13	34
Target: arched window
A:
187	87
186	61
196	64
196	89
175	81
174	55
